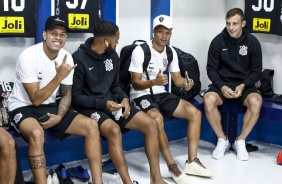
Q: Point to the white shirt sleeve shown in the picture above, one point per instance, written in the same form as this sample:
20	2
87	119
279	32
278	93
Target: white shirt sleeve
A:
174	66
27	68
137	59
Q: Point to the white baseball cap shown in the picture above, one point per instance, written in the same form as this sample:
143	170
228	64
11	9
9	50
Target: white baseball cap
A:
164	20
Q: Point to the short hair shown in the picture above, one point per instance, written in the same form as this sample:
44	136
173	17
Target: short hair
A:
235	11
105	28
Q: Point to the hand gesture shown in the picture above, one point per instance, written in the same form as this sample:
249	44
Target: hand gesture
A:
227	92
53	120
64	69
188	83
113	106
124	103
161	79
239	90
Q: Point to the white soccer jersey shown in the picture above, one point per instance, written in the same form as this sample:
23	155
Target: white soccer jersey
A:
33	65
158	61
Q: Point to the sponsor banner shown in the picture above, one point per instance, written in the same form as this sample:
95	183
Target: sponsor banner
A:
17	18
80	14
264	16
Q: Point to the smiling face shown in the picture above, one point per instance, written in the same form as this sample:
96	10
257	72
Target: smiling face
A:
54	39
162	35
234	26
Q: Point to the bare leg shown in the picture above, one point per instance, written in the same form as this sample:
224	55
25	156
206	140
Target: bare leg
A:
253	102
211	102
34	133
7	157
148	127
163	140
88	128
188	111
111	131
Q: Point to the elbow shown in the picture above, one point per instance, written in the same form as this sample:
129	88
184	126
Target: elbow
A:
36	103
135	87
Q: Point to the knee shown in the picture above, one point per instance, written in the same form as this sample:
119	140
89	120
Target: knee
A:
255	105
152	127
114	133
159	121
196	117
7	145
92	127
209	101
36	137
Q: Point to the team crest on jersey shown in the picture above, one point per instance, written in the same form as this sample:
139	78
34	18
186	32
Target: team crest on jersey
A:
95	116
18	117
108	64
145	104
243	50
165	62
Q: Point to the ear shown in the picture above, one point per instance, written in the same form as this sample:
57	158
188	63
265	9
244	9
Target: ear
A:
244	23
107	44
44	35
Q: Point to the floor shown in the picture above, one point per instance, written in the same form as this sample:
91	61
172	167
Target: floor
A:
260	169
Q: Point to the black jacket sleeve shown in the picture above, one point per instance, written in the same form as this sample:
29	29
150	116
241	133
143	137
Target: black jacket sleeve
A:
213	64
255	58
80	98
115	87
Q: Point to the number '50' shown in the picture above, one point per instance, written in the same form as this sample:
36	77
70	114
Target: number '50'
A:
17	7
265	7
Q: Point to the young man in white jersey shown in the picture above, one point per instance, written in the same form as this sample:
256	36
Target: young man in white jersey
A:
41	69
161	100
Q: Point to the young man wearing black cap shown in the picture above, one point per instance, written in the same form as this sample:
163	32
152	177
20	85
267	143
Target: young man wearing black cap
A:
161	100
40	70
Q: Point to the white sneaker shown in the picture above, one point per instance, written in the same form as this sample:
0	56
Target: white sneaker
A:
240	148
221	146
177	174
55	179
49	179
197	168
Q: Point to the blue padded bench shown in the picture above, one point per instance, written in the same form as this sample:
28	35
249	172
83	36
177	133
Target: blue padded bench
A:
268	129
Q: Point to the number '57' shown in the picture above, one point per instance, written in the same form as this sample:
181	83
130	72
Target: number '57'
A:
17	7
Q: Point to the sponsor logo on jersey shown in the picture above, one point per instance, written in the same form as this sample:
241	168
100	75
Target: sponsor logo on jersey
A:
261	24
78	21
11	24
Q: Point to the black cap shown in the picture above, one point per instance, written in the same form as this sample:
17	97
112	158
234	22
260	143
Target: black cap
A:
56	21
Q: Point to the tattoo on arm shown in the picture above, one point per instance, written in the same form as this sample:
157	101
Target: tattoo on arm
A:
37	161
65	101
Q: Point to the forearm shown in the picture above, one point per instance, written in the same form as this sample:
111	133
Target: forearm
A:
141	85
179	82
40	95
65	101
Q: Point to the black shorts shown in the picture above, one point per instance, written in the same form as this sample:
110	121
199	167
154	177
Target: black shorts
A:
241	99
101	116
19	114
166	102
